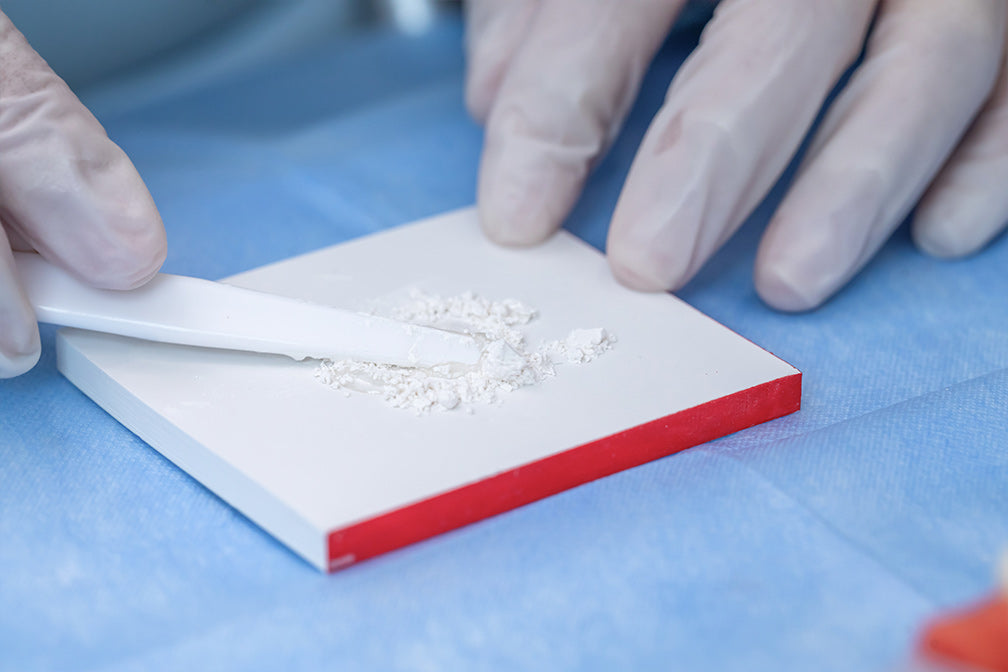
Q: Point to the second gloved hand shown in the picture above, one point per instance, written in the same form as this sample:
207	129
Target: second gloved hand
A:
924	120
66	191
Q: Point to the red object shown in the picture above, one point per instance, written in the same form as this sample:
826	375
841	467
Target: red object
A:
554	474
976	637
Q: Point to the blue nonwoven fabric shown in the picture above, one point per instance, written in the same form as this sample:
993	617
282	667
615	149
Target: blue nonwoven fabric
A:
822	540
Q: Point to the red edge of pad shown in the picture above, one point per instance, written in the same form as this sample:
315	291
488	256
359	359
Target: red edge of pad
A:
975	637
573	467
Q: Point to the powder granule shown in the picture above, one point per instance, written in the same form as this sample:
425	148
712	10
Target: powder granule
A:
467	313
507	363
582	345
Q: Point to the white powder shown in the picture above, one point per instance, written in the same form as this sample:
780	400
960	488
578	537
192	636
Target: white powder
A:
507	363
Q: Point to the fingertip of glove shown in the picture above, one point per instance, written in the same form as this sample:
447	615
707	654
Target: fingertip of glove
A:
779	289
938	247
19	353
148	257
512	211
513	231
935	237
642	257
127	265
125	255
636	278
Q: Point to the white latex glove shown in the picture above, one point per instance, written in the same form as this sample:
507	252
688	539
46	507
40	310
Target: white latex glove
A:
66	191
923	121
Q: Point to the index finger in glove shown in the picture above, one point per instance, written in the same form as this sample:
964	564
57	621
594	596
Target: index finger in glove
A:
561	102
65	187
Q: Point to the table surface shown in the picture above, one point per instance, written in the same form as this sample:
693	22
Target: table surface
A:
819	541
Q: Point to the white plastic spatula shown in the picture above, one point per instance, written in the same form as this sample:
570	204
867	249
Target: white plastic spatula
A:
190	311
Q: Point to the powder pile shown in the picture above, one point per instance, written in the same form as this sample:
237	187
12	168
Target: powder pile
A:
507	363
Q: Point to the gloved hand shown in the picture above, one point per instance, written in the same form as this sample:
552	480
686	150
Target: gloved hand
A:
924	120
66	191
